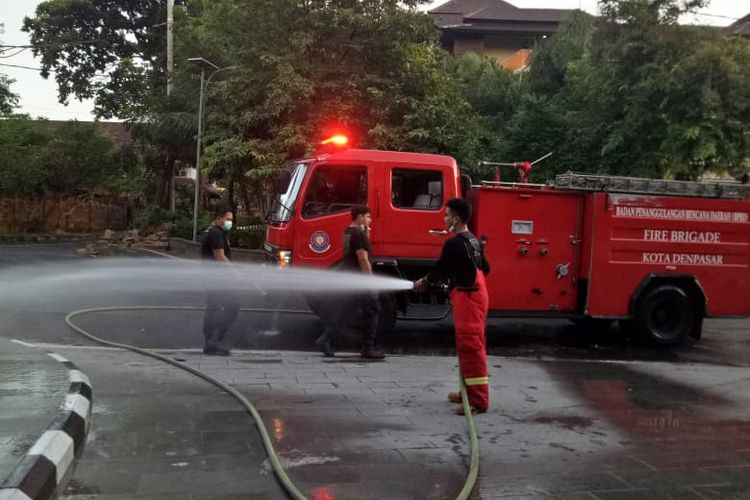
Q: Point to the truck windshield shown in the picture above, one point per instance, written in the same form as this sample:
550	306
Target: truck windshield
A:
288	187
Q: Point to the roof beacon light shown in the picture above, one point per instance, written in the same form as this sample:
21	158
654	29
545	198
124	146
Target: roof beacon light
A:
339	140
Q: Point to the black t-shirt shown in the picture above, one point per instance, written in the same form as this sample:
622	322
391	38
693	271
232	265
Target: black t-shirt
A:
215	238
354	239
462	255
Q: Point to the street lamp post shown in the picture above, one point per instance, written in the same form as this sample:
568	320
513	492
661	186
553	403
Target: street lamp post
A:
203	63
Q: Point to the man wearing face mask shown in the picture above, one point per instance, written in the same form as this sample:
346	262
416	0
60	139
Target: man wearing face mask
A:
463	266
222	307
356	258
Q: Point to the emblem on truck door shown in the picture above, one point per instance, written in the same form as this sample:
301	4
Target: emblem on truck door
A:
320	242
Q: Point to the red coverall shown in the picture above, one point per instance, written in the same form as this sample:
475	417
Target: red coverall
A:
470	306
462	264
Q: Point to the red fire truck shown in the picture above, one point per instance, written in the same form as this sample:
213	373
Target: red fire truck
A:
660	255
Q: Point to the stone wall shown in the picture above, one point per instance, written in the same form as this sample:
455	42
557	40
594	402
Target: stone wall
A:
73	214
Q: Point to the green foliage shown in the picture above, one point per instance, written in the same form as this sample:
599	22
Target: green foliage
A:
36	157
101	49
8	100
636	94
22	143
151	218
179	224
631	92
550	60
305	68
248	232
78	157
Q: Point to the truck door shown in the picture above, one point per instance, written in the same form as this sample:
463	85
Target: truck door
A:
331	191
413	206
533	244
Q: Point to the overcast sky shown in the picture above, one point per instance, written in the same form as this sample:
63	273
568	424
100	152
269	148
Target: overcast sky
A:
39	96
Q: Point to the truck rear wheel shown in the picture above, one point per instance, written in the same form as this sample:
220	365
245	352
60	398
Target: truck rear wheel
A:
665	316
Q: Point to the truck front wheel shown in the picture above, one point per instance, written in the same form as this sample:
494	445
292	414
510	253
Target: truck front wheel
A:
665	316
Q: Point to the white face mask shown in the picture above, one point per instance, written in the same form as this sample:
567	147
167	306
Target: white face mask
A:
227	225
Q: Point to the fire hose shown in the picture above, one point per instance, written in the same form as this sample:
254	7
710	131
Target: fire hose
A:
281	475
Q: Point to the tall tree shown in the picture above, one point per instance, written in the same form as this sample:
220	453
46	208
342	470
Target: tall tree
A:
372	67
641	95
113	51
8	100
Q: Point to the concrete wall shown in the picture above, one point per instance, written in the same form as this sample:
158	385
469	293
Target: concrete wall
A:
191	250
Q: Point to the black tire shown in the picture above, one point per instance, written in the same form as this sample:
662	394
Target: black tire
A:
665	316
387	320
697	332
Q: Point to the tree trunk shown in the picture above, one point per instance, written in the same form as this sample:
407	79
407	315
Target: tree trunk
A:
162	188
230	195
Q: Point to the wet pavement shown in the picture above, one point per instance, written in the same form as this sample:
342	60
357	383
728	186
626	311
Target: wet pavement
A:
158	432
592	415
32	388
351	429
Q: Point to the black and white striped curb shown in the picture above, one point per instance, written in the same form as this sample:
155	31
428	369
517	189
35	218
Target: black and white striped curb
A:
49	461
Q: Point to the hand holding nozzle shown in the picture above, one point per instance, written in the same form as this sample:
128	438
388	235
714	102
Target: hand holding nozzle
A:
420	285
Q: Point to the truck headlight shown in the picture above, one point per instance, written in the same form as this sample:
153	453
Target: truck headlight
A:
285	258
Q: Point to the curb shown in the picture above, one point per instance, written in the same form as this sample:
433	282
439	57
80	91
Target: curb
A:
46	467
160	254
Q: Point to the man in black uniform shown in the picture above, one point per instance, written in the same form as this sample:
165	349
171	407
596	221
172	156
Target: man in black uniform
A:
463	266
222	308
356	257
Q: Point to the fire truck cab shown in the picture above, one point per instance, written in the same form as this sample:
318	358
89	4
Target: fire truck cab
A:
658	255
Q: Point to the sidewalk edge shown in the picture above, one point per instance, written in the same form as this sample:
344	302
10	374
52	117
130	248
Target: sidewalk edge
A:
43	472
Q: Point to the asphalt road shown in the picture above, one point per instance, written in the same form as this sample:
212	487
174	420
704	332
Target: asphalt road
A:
725	341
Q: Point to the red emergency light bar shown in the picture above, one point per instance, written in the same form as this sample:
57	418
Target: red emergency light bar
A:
339	140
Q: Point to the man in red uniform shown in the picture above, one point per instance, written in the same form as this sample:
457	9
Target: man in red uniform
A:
463	266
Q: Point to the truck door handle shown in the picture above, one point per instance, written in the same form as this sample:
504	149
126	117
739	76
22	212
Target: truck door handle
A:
437	232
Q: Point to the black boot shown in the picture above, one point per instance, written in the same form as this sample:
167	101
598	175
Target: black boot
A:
324	343
372	353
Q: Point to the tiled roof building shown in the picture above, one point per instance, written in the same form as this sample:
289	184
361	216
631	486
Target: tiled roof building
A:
495	28
740	27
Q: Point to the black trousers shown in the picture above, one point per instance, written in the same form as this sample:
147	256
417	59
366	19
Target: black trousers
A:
340	310
221	312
